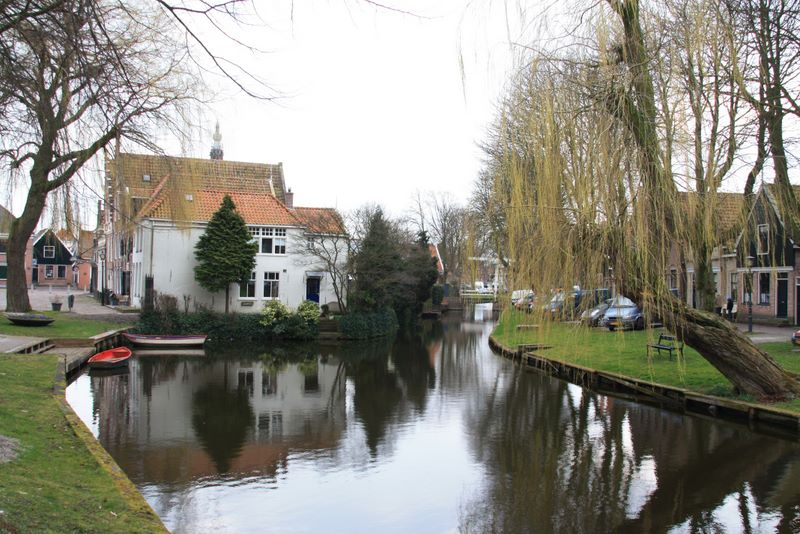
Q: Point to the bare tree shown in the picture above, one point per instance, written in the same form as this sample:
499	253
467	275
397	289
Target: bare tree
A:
72	80
326	246
444	221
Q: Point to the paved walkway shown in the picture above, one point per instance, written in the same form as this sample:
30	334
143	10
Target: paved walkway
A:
85	303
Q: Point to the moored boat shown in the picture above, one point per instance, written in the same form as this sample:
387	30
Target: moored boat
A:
111	358
171	342
29	319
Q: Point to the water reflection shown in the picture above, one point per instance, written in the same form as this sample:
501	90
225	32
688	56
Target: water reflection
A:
430	434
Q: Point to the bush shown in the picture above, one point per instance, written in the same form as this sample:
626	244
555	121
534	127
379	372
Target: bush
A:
309	311
273	313
437	295
360	325
274	322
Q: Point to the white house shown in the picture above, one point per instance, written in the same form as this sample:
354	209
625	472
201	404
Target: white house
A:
159	206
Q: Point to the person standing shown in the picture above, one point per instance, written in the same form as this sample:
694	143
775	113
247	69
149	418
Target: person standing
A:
729	308
718	304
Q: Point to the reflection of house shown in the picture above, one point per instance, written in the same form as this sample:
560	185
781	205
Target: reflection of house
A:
168	412
159	207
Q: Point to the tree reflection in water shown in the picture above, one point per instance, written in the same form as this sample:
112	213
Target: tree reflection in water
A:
221	419
537	454
562	459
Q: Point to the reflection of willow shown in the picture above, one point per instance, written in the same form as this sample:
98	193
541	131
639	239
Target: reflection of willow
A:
560	459
221	419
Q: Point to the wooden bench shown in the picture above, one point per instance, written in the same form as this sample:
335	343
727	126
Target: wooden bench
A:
668	343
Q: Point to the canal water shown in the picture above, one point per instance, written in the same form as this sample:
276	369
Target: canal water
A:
430	434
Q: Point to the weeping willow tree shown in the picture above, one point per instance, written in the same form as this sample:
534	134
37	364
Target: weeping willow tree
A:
585	160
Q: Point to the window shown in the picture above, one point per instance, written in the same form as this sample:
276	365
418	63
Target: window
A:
269	384
246	382
248	289
734	286
62	271
49	251
271	285
48	271
763	288
3	245
673	279
271	240
763	238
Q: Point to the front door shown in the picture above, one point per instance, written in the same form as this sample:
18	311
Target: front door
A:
783	295
35	274
312	289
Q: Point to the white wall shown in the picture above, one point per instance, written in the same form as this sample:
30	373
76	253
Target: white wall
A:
167	252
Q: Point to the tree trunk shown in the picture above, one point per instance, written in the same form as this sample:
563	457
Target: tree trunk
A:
18	236
750	370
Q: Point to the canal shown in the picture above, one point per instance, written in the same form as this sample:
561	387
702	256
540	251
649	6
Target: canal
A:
432	434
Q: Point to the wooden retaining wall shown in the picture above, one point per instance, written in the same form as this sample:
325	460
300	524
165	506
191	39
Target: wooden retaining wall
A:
755	416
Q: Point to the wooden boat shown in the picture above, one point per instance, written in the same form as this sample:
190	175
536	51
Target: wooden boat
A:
111	358
29	319
165	342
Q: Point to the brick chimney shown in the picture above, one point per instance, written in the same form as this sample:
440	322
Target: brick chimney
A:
289	199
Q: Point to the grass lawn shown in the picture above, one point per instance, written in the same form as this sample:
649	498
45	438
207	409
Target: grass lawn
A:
625	353
65	325
55	485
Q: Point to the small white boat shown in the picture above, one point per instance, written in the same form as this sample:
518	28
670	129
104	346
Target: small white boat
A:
171	342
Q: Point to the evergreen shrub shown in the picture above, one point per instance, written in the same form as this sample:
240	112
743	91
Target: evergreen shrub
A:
437	294
365	325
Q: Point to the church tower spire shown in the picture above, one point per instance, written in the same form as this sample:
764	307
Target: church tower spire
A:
216	147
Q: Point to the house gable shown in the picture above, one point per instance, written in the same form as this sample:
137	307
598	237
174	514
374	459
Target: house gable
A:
764	239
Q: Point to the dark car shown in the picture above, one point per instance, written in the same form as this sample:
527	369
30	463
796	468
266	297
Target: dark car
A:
623	313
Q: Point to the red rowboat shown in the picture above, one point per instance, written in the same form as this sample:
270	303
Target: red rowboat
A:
150	341
108	359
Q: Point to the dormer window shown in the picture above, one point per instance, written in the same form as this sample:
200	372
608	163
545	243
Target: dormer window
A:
189	197
145	177
49	251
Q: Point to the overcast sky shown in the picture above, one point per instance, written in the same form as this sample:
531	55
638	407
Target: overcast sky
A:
376	105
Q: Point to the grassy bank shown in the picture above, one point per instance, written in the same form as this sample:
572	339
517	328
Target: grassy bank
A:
58	482
626	353
65	325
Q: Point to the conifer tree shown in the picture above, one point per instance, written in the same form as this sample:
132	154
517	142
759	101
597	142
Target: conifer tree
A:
225	252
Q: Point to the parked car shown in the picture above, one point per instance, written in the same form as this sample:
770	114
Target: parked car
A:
567	305
623	313
522	299
796	338
595	316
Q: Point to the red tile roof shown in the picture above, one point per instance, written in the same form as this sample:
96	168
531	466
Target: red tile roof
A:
321	220
255	208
